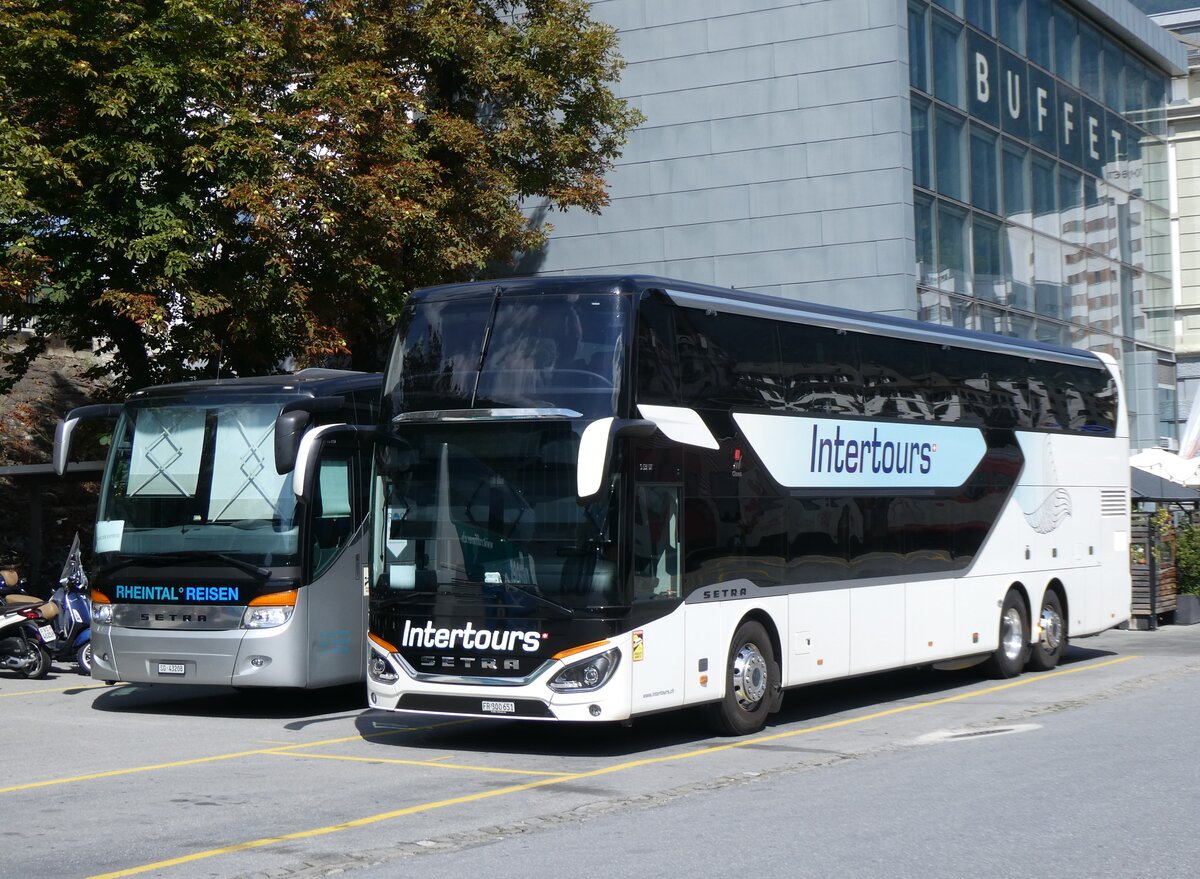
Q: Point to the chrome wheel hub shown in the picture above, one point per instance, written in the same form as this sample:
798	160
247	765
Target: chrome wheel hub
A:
1052	629
1012	634
749	676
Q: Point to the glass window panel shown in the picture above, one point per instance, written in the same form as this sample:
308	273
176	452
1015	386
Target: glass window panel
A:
918	47
1070	204
1040	33
1104	311
950	137
1135	88
1045	208
1014	80
1099	221
1089	62
1015	169
1113	73
985	171
1011	21
1156	104
1051	295
922	170
923	220
948	60
933	306
983	90
1018	266
955	6
1092	122
952	248
1066	44
1043	111
979	13
987	261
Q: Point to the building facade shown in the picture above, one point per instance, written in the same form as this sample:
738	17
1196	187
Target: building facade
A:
992	164
1183	140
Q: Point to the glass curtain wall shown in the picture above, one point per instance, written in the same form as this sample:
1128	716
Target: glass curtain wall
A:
1039	165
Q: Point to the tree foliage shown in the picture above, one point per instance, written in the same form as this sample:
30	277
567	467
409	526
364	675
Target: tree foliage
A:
220	184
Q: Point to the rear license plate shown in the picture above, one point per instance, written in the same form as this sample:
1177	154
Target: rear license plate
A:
171	668
47	633
499	707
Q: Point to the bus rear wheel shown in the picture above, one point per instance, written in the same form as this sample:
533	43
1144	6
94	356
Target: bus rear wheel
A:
751	683
1009	659
1052	639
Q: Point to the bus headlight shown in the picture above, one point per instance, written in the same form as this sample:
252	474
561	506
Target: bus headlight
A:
102	613
381	670
265	617
587	674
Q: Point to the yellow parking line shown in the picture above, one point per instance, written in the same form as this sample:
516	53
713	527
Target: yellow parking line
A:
53	690
218	757
577	776
437	764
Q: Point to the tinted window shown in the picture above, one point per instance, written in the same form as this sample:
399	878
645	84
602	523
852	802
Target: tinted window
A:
727	359
820	370
895	378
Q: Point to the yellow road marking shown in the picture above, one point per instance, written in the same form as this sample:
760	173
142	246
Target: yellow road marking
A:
232	756
437	764
593	773
53	690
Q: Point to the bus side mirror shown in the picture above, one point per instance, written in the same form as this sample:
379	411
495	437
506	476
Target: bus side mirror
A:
595	451
289	427
308	455
292	421
66	427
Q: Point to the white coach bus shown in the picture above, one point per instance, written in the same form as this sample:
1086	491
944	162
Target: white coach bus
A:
597	498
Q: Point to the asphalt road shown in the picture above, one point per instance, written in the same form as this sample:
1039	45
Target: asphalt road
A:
1085	771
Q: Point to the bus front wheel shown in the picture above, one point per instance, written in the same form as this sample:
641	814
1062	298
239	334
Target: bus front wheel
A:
1009	659
751	683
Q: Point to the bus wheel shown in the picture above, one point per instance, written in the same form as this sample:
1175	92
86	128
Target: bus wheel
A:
751	681
1052	642
1009	658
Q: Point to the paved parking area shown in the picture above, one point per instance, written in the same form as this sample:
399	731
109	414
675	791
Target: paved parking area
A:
188	782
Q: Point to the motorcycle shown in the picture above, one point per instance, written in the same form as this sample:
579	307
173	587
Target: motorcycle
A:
21	649
68	635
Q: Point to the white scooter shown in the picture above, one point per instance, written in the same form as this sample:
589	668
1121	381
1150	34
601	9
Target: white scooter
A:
20	646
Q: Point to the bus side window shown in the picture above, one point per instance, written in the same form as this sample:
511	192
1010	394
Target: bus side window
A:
333	511
656	542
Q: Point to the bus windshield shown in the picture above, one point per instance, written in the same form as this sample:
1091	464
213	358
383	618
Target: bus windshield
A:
489	512
510	350
193	478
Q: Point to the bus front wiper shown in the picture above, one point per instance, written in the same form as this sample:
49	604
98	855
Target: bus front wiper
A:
158	560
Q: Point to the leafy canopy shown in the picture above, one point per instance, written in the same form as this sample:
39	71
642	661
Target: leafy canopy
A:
221	184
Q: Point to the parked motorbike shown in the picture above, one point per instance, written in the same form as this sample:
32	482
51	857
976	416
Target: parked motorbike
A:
21	631
67	636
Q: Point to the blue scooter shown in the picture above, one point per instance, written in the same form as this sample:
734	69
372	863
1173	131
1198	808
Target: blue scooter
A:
72	624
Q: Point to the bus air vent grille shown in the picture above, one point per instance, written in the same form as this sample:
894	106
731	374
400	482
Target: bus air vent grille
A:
1113	502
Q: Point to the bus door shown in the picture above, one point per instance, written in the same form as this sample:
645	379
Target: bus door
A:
334	595
657	660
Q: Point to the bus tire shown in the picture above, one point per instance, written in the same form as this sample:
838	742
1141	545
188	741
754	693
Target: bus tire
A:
751	683
1009	659
1052	640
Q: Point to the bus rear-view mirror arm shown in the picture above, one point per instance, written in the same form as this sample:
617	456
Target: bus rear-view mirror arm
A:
595	451
66	427
308	455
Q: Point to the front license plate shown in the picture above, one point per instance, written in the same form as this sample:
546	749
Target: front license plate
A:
171	668
499	707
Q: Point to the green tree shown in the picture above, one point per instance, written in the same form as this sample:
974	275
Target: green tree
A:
220	184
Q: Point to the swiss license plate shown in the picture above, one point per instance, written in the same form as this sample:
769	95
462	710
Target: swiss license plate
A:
46	632
499	707
171	668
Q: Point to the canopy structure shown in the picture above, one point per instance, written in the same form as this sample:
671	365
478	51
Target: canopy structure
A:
1152	488
1168	465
